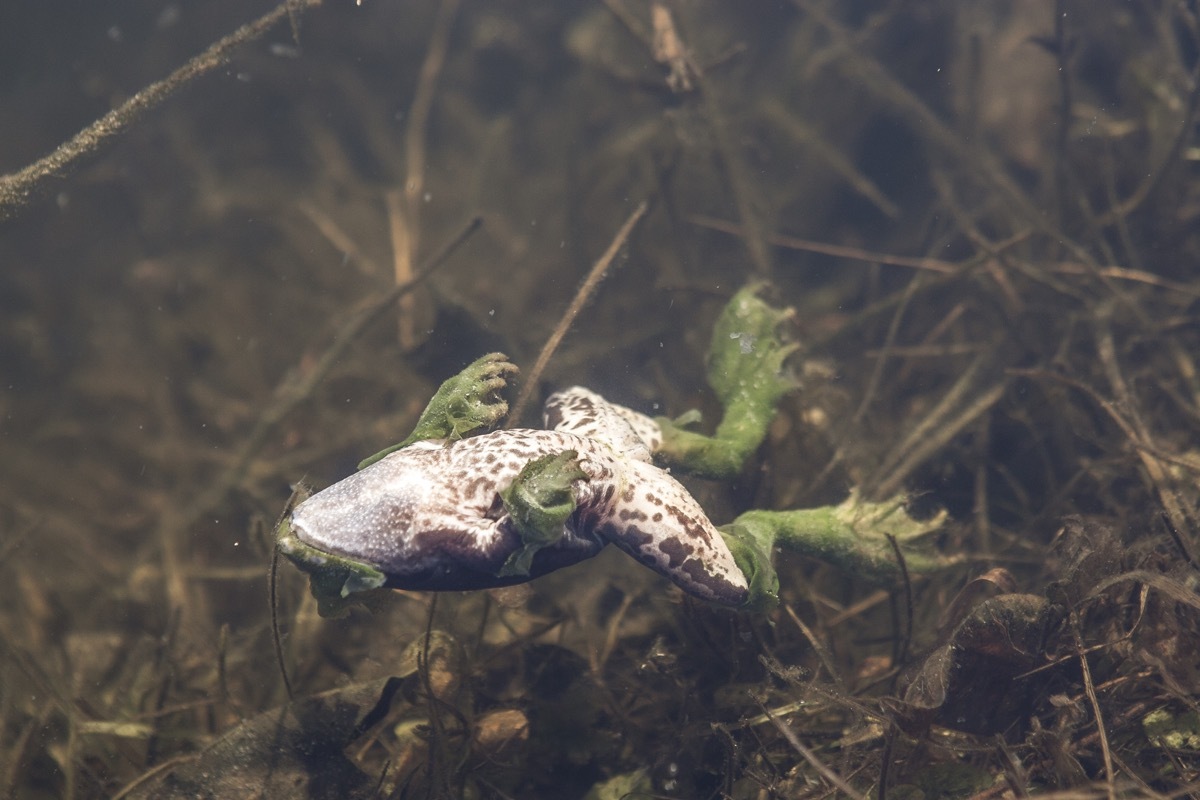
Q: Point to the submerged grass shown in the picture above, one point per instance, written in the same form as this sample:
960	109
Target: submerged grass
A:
987	219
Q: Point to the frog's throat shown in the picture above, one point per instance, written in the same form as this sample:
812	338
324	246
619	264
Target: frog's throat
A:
333	577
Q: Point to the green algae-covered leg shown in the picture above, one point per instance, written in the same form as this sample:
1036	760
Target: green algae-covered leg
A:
540	501
463	404
745	370
752	551
852	536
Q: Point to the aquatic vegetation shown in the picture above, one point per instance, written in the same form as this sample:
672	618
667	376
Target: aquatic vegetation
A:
966	519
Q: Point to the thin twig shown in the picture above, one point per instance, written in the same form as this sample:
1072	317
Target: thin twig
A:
1169	163
1155	468
901	653
889	343
939	266
784	116
418	113
746	198
152	773
290	393
809	756
954	411
868	73
276	639
405	218
818	647
223	664
944	429
686	76
568	318
837	250
1066	109
18	188
1139	432
612	633
343	242
885	763
1090	688
403	233
434	706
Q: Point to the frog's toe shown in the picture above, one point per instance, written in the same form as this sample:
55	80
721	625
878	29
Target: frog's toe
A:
472	398
474	416
491	370
494	371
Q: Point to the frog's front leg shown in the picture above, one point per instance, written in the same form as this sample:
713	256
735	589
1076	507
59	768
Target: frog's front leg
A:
463	404
540	500
745	370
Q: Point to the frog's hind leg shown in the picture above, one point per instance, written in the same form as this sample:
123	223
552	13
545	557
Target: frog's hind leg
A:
659	523
746	371
584	413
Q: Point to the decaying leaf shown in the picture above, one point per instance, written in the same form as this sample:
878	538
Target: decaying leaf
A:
295	751
975	681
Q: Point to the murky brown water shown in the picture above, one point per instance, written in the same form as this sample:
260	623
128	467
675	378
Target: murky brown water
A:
1007	333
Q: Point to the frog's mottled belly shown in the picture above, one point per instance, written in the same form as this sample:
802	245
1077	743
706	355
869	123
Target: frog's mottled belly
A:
430	515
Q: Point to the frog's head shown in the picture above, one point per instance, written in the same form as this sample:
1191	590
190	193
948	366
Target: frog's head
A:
335	579
350	549
346	537
413	521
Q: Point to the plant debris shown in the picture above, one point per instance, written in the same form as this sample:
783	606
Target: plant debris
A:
987	217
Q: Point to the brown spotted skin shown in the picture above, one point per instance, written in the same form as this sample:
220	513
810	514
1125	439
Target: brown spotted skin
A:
582	411
657	521
430	516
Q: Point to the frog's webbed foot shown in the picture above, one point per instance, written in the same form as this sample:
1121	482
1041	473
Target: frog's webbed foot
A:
540	500
857	536
468	401
463	404
745	370
745	361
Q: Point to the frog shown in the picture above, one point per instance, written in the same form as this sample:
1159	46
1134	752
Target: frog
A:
460	506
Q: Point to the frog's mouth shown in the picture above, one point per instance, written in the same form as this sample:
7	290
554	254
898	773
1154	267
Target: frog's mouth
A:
332	578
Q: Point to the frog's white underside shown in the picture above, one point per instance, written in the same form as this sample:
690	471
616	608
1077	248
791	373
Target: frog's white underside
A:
430	517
